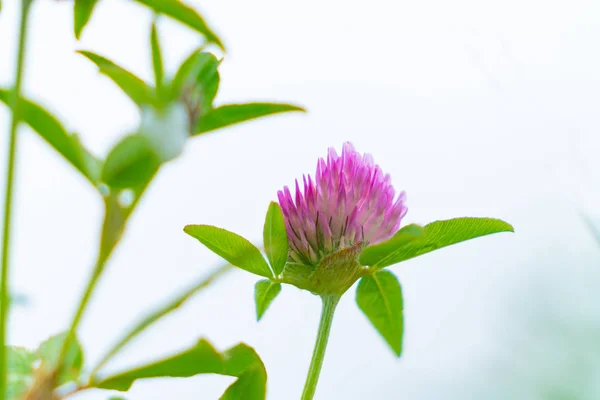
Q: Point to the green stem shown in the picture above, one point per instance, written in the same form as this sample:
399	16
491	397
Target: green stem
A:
10	172
156	315
114	223
329	304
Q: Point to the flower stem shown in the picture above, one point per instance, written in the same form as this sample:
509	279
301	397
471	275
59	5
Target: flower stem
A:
329	304
10	172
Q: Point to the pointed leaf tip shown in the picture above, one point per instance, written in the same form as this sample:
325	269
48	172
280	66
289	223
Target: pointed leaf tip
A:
265	292
230	114
82	12
133	86
232	247
379	296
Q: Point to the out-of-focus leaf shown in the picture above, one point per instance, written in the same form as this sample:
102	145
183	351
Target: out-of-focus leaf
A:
137	90
191	68
200	359
131	163
83	11
196	84
184	14
249	386
275	238
157	61
265	292
379	296
231	114
20	371
49	353
53	132
162	311
436	235
232	247
33	372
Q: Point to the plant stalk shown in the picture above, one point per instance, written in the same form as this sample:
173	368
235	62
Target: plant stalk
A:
114	223
8	195
330	302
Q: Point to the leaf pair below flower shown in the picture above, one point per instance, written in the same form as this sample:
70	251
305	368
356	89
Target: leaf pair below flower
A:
379	294
241	253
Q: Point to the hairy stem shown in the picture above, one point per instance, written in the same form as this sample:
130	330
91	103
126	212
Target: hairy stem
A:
10	171
329	304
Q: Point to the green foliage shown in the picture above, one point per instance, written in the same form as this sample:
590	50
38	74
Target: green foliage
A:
202	358
131	163
184	14
157	61
137	90
161	312
23	365
275	238
196	84
50	350
379	253
20	371
82	11
438	234
53	132
265	292
232	247
379	296
191	69
231	114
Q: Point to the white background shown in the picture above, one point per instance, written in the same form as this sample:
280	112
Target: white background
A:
474	108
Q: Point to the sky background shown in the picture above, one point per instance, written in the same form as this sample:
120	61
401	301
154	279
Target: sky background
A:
474	108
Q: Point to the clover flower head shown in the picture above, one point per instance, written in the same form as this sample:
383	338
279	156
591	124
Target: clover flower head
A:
350	201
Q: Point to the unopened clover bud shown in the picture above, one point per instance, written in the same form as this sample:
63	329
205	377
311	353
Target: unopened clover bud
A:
166	129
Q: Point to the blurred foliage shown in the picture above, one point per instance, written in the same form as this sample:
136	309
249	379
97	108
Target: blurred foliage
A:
172	110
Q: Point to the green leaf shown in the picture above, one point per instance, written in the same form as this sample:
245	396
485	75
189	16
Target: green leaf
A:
49	352
184	14
231	114
162	311
131	163
200	359
83	12
265	292
249	386
379	296
53	132
232	247
137	90
435	235
190	68
157	61
20	371
196	83
373	255
275	238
